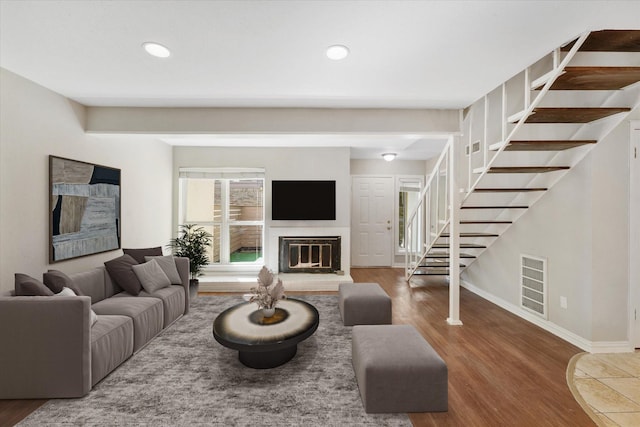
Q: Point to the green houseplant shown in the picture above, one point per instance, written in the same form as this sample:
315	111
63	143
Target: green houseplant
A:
192	242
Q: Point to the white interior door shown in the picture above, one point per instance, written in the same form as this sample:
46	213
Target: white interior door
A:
634	233
372	221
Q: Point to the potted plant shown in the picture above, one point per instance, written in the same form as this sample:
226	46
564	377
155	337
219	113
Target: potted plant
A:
192	242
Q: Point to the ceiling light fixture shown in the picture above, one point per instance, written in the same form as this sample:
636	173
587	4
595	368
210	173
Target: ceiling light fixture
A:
337	52
389	156
156	49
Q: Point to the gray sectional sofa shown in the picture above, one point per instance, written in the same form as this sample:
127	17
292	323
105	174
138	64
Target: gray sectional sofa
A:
50	348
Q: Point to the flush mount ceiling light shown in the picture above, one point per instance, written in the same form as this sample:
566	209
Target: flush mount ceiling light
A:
389	156
337	52
156	49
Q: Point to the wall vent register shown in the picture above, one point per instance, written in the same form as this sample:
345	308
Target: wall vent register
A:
533	282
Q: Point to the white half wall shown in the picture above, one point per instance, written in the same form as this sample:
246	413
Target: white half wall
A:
36	122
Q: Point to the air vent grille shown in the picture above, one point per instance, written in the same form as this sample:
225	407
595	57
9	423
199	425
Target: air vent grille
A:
533	281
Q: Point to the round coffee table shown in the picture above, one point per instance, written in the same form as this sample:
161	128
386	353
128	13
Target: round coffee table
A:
266	342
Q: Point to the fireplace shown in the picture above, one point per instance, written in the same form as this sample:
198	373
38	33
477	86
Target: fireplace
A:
309	254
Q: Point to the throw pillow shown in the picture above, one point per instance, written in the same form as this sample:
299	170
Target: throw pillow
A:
139	254
28	286
68	292
57	280
121	272
151	276
168	265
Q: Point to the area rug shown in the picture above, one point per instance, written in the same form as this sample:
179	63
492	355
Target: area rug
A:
185	378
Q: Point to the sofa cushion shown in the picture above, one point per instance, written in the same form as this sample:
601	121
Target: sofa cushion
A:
57	280
139	254
151	276
91	283
28	286
120	270
173	301
168	265
111	344
147	315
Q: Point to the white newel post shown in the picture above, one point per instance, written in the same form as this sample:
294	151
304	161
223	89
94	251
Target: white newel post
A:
454	232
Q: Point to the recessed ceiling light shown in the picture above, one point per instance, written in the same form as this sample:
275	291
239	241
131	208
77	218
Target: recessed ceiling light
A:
389	156
337	52
156	49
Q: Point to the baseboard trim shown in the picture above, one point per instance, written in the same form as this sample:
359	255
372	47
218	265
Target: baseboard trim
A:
578	341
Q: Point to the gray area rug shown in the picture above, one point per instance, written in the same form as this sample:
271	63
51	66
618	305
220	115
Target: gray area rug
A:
184	377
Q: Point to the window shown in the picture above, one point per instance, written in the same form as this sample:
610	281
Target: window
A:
229	204
408	194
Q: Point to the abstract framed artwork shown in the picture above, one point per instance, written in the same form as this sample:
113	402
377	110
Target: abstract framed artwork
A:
84	209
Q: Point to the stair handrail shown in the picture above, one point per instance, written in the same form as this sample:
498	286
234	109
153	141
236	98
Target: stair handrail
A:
555	73
412	259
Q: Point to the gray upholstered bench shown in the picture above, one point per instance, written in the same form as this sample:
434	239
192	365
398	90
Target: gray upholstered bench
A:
364	304
397	370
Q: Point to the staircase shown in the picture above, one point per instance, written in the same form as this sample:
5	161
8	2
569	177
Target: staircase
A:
518	141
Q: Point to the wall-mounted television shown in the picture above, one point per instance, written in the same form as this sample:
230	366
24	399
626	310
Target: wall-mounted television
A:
303	200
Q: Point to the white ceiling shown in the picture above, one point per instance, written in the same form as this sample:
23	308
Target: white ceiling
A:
404	54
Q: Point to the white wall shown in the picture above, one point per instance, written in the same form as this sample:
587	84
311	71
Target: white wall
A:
281	164
36	122
382	167
581	225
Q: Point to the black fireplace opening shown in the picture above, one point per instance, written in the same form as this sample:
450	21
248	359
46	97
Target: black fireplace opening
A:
319	254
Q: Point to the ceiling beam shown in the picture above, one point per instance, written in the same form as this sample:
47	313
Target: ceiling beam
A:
142	120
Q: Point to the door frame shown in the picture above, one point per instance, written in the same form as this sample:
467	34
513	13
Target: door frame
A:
634	230
391	241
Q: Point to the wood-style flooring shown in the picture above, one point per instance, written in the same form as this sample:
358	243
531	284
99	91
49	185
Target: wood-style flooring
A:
503	371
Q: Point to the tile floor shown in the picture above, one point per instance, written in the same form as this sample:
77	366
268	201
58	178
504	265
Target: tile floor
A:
609	384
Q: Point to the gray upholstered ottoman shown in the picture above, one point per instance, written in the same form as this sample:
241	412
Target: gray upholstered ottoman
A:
397	370
364	304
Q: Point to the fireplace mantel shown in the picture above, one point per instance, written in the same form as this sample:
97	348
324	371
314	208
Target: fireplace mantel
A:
273	242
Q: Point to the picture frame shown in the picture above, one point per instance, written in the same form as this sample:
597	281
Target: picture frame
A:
84	209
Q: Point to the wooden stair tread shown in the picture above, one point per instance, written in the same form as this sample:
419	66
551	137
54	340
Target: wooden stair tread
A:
419	272
526	169
495	207
435	264
595	78
472	235
462	245
609	41
508	190
545	145
485	221
572	114
446	255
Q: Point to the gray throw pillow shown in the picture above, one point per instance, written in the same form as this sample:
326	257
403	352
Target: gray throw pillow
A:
168	265
57	280
139	254
121	272
151	276
28	286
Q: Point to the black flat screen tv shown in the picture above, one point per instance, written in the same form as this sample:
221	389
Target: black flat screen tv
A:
303	200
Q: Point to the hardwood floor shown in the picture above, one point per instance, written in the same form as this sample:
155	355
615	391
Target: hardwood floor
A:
14	411
503	371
